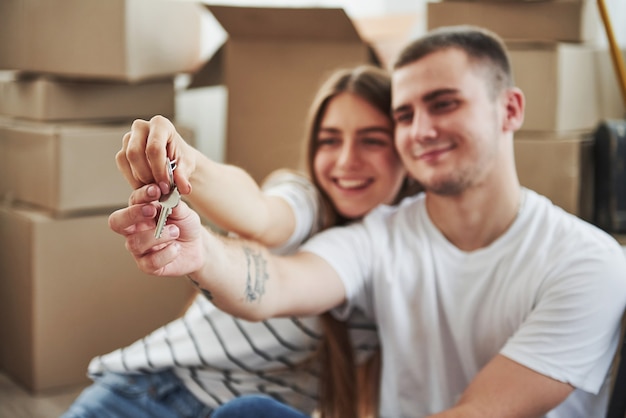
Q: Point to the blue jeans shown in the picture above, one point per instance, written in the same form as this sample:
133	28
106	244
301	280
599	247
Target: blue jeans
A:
155	395
257	406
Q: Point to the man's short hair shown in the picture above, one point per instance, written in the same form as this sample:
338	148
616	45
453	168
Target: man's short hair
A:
483	47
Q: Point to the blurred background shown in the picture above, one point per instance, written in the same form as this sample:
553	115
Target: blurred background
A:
236	78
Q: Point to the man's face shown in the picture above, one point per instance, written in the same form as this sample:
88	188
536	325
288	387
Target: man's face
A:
448	125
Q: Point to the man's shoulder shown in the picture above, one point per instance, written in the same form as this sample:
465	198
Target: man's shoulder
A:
566	229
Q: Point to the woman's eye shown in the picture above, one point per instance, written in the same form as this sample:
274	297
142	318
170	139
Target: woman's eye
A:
381	142
327	141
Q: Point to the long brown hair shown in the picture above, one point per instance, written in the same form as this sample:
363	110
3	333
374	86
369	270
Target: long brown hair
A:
345	391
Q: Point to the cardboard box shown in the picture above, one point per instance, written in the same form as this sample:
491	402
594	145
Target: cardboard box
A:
114	39
555	20
388	35
63	167
272	65
52	99
508	1
560	167
559	83
70	291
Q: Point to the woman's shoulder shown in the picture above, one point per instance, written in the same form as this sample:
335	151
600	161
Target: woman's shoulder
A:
286	176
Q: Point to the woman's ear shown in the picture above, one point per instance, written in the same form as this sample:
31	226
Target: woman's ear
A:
514	108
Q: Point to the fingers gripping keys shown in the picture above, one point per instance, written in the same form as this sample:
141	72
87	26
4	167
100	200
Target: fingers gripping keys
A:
168	201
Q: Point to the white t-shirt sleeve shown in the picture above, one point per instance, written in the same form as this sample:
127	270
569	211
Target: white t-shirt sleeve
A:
350	252
303	198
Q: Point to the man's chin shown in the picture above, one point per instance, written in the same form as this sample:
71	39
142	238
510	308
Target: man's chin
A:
444	187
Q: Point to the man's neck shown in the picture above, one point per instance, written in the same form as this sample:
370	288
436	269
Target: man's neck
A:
477	217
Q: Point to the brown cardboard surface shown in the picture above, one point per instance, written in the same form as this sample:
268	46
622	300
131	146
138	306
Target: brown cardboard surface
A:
559	83
52	99
510	1
555	20
387	35
558	166
272	64
63	167
69	291
113	39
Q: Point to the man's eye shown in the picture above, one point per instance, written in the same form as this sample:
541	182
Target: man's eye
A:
403	117
443	105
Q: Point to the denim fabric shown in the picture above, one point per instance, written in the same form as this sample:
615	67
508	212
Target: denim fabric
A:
257	406
155	395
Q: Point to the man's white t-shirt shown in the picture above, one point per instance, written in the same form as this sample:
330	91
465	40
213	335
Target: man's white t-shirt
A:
548	294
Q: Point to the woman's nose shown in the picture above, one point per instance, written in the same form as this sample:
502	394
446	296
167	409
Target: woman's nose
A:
348	155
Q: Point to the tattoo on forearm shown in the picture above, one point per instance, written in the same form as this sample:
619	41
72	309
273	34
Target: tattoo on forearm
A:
205	292
256	274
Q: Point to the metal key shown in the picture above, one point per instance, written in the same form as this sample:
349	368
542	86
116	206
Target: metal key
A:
168	201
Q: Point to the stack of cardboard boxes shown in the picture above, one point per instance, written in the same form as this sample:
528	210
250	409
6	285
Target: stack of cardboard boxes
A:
553	48
80	72
272	64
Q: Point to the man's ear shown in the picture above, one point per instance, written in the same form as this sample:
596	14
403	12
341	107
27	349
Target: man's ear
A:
514	107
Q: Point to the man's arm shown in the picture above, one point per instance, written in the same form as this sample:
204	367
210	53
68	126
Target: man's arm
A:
504	388
241	276
249	282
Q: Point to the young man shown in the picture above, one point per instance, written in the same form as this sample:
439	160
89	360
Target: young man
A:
489	300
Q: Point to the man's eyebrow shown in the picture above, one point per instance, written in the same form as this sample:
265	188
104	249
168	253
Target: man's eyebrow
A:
401	108
437	93
428	97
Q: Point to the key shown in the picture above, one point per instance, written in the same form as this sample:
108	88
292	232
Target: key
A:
168	201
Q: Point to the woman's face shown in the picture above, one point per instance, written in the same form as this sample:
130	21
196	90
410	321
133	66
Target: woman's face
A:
356	163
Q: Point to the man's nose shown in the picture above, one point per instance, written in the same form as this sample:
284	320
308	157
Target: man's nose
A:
422	128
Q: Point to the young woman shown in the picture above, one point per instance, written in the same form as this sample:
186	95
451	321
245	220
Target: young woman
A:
196	363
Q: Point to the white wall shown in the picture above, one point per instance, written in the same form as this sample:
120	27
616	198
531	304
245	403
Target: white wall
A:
617	14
